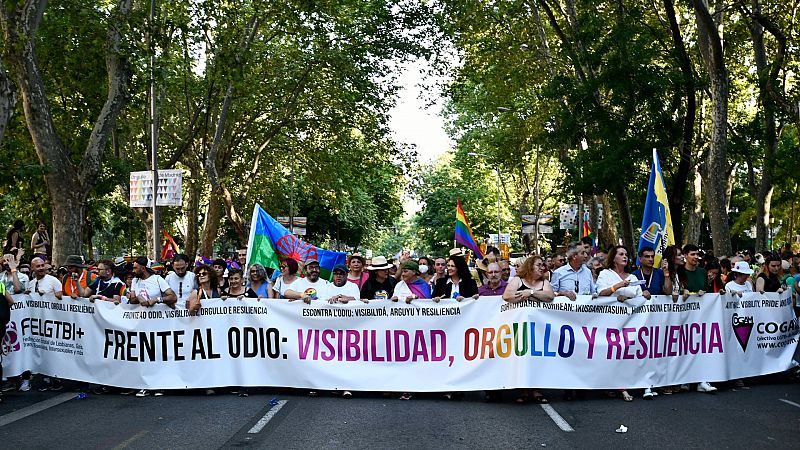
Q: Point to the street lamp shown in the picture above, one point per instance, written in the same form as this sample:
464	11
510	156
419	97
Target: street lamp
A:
496	168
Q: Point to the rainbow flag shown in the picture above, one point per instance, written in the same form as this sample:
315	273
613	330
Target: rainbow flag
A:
170	248
271	242
464	233
656	220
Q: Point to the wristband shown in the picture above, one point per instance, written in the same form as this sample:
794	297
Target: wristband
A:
13	270
613	289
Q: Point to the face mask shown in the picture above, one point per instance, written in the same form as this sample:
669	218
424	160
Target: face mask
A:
423	269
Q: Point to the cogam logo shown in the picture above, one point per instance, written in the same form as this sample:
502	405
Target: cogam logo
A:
11	339
742	327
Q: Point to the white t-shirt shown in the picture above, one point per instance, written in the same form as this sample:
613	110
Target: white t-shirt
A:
732	286
349	289
182	286
47	285
303	286
150	288
280	286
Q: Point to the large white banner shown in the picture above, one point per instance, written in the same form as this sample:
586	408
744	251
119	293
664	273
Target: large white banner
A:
425	346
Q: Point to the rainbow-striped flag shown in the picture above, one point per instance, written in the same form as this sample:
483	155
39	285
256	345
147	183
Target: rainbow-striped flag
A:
464	233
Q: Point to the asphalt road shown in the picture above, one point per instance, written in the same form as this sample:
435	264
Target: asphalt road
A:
765	416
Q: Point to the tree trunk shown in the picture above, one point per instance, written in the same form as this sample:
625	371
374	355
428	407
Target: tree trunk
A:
681	179
68	209
8	100
770	139
211	226
710	43
692	231
68	184
625	221
608	229
192	226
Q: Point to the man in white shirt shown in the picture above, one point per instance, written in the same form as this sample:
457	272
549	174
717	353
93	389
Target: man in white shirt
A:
310	287
340	290
181	280
43	283
148	288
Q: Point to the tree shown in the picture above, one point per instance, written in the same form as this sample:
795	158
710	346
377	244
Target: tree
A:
710	44
68	184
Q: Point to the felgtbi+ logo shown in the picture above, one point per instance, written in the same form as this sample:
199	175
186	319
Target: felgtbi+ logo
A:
11	339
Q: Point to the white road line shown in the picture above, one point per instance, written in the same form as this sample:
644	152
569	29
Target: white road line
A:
35	408
267	417
556	418
789	402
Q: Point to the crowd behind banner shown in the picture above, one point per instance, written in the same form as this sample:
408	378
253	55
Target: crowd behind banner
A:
187	283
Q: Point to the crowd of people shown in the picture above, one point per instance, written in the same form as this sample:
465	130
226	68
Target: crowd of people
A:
578	269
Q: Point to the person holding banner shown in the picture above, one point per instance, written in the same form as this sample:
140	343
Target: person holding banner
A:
380	285
207	288
574	278
769	280
740	283
653	278
674	274
258	287
411	286
529	284
309	288
341	290
288	268
235	285
614	279
148	288
43	283
458	284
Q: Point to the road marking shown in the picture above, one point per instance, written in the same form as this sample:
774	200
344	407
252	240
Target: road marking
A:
130	440
563	424
267	417
789	402
35	408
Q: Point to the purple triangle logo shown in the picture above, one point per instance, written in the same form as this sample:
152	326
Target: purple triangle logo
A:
742	327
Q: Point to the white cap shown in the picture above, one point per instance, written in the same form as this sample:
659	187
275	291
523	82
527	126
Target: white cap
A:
742	267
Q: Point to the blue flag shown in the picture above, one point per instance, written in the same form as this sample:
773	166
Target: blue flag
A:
656	220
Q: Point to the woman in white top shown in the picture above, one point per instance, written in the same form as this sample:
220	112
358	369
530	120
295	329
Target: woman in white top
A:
288	276
614	280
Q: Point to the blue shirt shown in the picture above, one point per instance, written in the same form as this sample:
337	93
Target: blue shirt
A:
580	281
654	284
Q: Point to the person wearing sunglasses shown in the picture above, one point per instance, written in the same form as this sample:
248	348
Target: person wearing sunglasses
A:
206	290
288	268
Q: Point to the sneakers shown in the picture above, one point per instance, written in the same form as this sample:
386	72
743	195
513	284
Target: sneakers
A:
46	385
210	392
648	394
25	386
158	393
143	393
705	386
9	386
